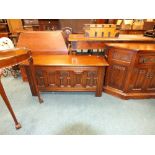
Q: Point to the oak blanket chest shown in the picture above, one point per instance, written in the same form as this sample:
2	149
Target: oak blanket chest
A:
68	73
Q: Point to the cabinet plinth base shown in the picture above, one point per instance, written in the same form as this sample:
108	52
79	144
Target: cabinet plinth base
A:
126	96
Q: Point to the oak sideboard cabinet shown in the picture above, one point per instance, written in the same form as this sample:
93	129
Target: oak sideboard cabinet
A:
131	71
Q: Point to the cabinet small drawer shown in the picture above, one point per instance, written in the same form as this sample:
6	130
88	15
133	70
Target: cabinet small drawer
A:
146	60
122	55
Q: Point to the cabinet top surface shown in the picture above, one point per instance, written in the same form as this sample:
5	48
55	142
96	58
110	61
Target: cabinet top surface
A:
68	60
134	46
42	41
121	38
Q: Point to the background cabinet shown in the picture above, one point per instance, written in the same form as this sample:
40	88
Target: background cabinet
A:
41	24
4	29
11	28
49	24
151	81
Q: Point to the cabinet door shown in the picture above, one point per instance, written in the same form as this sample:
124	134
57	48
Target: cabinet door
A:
146	76
118	72
138	80
150	86
117	76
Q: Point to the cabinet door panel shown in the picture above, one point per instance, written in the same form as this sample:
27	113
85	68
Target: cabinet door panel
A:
151	81
117	75
138	80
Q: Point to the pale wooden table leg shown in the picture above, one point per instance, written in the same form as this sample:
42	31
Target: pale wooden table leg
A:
3	94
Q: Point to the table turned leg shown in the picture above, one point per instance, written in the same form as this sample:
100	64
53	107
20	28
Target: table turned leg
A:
3	94
33	78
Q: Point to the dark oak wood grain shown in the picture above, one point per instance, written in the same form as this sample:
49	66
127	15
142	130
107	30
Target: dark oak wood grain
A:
131	72
122	38
68	73
80	42
41	43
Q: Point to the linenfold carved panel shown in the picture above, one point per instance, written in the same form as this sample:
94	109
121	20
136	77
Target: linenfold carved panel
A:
64	78
137	79
117	76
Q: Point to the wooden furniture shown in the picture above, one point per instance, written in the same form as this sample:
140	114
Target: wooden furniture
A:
49	24
4	34
148	25
30	24
124	74
42	42
15	25
68	73
122	38
79	41
75	24
86	47
105	21
132	31
41	24
134	26
131	71
101	21
4	29
10	28
11	57
100	30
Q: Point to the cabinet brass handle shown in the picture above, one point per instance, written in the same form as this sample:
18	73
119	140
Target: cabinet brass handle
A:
149	75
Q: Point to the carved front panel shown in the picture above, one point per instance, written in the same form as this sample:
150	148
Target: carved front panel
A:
120	55
142	80
117	75
151	81
138	79
40	80
58	78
